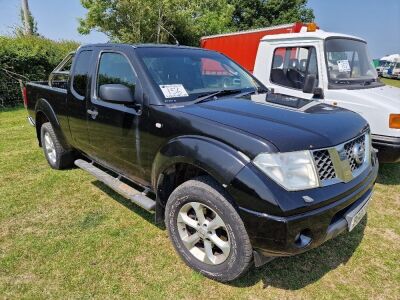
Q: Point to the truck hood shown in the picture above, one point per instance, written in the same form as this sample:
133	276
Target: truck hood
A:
290	123
385	96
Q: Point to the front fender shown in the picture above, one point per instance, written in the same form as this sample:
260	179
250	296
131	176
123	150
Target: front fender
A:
43	106
219	160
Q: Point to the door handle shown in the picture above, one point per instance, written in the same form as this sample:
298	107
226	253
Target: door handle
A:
93	113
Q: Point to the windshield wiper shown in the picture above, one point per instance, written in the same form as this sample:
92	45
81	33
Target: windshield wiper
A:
212	95
258	90
354	82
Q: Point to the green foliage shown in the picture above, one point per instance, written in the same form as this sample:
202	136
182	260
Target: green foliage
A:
20	30
258	13
31	56
142	21
138	21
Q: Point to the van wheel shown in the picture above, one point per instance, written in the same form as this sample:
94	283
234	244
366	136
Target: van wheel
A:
206	230
57	157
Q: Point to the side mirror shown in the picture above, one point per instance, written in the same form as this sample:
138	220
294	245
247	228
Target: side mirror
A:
309	83
116	93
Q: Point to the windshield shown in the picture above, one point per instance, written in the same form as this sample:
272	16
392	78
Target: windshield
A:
183	74
348	61
382	63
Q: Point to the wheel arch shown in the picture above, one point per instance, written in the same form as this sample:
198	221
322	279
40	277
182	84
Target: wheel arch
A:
184	158
45	113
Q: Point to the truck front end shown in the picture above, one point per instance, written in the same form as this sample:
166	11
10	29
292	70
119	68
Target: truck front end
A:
340	187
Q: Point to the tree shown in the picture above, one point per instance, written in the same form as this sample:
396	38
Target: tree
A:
29	25
147	21
26	17
155	21
262	13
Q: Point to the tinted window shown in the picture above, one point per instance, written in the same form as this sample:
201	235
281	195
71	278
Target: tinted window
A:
81	71
114	68
290	66
186	74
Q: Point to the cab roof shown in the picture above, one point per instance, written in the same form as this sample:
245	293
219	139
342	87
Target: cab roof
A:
125	45
316	35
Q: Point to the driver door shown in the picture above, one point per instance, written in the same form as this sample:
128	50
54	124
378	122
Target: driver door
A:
114	128
290	66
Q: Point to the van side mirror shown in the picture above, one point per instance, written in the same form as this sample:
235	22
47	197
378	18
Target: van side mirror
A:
116	93
310	83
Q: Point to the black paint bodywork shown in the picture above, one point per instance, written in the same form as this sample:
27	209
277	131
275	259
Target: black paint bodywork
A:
219	137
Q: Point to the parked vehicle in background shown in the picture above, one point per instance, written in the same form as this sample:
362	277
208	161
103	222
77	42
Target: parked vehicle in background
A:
396	71
303	61
238	175
381	65
388	70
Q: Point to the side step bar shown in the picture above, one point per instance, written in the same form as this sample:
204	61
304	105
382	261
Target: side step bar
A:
117	185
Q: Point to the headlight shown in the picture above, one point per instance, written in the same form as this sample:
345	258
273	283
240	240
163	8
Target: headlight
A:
292	170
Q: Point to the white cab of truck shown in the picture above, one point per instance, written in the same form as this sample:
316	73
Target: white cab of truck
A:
332	67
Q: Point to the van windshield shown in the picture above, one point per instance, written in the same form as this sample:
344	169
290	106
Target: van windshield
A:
348	62
182	74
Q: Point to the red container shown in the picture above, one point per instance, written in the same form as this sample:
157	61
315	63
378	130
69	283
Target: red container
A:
242	46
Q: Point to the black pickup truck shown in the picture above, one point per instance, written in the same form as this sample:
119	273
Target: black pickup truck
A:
239	175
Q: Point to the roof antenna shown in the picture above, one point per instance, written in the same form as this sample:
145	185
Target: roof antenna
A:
176	40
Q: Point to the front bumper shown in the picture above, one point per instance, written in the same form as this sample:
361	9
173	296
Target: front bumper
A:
388	147
285	235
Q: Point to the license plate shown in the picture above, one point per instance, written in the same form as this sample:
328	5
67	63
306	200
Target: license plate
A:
353	221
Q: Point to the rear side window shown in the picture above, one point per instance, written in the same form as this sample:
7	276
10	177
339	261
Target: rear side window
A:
82	65
115	68
291	65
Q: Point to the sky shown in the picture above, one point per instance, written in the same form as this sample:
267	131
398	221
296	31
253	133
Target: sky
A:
377	21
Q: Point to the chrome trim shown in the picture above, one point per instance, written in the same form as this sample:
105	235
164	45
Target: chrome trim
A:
341	163
31	121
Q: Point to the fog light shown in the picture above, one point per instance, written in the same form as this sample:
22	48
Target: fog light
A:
303	238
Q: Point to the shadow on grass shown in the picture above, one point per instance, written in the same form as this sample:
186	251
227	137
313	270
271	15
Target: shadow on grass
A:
389	174
296	272
148	216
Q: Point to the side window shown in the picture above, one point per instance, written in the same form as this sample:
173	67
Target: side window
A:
114	68
81	71
291	65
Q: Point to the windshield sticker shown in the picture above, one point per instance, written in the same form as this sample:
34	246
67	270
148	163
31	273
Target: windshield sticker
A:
173	90
343	65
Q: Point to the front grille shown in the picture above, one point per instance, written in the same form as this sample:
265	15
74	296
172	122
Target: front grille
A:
349	151
324	165
333	169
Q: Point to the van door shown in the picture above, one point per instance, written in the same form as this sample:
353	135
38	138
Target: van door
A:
114	128
289	69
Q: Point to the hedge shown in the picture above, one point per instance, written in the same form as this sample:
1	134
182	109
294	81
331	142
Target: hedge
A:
32	57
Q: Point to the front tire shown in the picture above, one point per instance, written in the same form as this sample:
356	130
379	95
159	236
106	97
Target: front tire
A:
206	230
57	157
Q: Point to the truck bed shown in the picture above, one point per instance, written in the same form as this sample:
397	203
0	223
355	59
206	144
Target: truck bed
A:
52	98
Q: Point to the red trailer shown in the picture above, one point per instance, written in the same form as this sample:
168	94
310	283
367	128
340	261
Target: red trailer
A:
242	46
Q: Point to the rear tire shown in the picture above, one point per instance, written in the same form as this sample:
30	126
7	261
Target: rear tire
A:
57	157
206	230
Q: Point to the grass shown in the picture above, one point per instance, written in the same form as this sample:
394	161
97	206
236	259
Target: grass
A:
65	235
394	82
